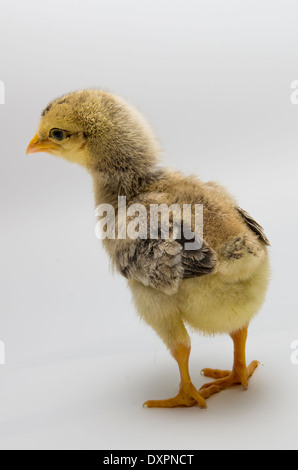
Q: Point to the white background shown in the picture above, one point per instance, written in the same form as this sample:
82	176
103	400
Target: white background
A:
213	78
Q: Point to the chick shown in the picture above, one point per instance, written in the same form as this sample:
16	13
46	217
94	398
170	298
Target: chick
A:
216	287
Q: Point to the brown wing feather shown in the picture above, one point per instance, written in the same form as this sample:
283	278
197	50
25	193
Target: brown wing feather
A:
254	225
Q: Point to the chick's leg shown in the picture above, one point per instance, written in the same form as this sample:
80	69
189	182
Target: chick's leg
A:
240	373
188	395
160	311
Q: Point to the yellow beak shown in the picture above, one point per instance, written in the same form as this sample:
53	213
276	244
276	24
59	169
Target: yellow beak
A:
37	145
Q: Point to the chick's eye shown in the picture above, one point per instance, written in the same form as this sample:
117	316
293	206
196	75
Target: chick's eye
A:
57	134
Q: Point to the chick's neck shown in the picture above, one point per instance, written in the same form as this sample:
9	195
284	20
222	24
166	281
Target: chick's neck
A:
108	185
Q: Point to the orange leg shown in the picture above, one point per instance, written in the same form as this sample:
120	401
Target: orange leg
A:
188	395
240	373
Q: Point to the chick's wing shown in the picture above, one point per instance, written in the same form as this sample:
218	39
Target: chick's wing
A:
163	264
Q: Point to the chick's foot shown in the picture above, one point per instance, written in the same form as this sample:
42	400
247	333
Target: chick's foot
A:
225	378
188	396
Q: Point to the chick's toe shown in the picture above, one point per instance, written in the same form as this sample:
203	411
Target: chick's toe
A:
228	378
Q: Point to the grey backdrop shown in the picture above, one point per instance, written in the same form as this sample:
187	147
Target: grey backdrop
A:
213	78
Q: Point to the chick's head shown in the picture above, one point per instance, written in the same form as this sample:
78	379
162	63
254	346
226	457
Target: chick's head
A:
97	130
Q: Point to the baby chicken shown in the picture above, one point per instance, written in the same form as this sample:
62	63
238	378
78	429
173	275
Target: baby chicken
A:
218	286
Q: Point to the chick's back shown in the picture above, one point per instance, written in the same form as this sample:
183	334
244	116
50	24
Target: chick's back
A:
239	246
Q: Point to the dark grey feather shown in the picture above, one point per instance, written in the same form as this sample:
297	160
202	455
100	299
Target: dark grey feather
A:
163	264
255	227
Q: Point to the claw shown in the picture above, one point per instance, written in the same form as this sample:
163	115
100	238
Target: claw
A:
187	396
228	378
